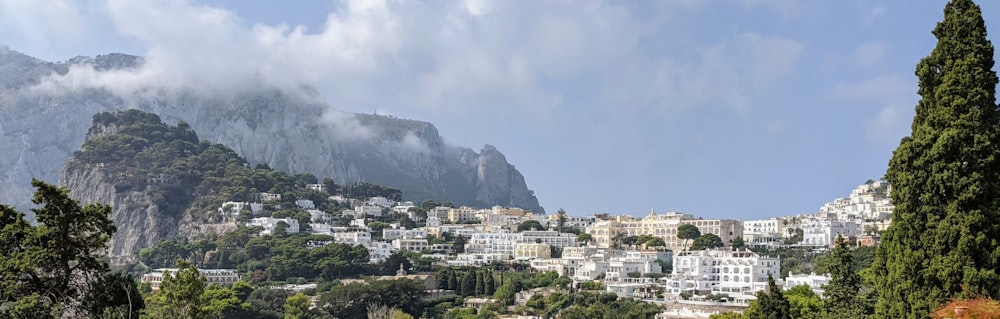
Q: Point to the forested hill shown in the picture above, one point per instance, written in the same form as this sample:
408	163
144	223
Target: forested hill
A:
162	182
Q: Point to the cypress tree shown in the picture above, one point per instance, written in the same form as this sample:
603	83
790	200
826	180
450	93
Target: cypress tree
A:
845	284
489	283
452	280
480	288
945	238
468	286
771	304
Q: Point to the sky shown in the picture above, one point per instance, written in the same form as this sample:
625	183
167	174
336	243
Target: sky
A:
719	108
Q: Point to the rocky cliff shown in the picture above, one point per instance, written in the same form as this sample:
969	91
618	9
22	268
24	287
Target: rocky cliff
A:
290	131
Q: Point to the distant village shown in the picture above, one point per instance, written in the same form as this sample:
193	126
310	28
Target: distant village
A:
593	248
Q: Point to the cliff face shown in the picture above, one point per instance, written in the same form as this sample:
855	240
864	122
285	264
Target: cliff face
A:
295	133
139	220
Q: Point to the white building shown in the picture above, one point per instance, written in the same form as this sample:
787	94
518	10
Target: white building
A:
223	277
764	232
380	202
352	237
823	233
739	274
265	197
378	251
316	187
814	281
550	237
269	224
305	204
361	211
393	233
415	245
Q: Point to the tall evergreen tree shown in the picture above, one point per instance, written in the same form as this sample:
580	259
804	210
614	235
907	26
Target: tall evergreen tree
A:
452	280
771	304
468	284
845	284
945	239
489	283
480	287
48	270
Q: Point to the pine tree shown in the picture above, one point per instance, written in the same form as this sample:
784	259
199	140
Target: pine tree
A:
771	304
845	284
945	178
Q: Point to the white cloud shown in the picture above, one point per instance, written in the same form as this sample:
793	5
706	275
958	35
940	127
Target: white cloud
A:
728	73
894	98
40	23
871	55
492	59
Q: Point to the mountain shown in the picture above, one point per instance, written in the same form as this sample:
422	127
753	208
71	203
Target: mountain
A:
292	131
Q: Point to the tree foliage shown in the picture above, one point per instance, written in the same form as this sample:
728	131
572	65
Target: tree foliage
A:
945	178
48	270
842	292
707	241
770	303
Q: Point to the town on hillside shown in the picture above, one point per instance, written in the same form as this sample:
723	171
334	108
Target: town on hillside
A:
695	266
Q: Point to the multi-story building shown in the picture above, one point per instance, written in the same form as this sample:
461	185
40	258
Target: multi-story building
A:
380	202
223	277
532	251
550	237
378	251
362	211
353	237
415	245
764	232
664	226
393	233
736	273
462	214
265	197
269	224
823	233
814	281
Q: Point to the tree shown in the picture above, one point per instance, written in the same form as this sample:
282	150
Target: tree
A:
467	285
529	225
707	241
655	242
845	284
560	220
489	283
805	304
458	246
738	242
47	270
945	178
297	306
584	238
505	293
116	294
770	303
688	232
179	296
480	286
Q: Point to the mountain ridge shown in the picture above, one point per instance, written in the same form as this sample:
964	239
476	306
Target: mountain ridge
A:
290	131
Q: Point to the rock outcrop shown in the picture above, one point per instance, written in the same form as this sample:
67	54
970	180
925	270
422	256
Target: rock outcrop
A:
293	132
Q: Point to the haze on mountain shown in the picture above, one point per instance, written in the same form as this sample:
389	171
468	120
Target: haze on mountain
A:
723	109
289	129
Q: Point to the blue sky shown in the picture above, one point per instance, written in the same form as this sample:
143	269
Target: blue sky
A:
723	109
